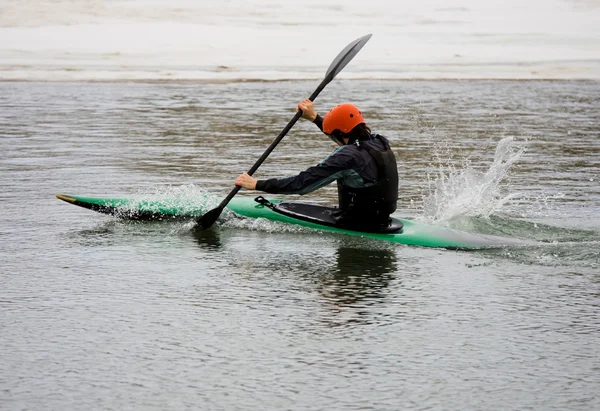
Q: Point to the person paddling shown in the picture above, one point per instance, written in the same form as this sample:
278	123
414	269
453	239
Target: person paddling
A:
364	167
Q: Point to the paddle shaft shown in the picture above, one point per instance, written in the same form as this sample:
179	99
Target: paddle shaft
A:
274	144
338	64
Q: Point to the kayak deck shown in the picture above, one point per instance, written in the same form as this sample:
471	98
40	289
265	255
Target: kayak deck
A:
328	216
412	232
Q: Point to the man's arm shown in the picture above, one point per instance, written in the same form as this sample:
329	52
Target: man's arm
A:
337	165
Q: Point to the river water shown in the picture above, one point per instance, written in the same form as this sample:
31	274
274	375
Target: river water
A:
99	313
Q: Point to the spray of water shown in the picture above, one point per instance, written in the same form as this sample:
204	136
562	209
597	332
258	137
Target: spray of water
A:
466	192
194	201
190	199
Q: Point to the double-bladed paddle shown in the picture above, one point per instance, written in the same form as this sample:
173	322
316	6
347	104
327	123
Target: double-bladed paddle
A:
207	220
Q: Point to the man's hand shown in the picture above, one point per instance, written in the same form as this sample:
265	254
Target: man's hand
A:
245	181
308	109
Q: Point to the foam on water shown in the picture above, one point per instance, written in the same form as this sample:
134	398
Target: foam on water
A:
190	197
194	200
261	224
187	199
262	39
558	254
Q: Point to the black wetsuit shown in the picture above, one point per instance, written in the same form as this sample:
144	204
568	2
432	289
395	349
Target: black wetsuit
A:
364	196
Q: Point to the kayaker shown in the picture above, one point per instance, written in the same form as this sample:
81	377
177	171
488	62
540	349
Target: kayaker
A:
364	167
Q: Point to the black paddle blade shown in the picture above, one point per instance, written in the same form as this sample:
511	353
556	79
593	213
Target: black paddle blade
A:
208	219
346	56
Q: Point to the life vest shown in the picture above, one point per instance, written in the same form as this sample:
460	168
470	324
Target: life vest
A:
379	200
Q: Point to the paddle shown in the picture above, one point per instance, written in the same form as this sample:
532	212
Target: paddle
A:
207	220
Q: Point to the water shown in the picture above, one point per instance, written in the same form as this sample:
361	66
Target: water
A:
98	313
264	39
107	314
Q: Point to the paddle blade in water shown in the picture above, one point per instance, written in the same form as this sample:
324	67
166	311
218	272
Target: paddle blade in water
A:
346	56
207	220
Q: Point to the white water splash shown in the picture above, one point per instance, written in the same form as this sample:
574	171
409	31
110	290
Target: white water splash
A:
459	192
195	201
187	199
262	224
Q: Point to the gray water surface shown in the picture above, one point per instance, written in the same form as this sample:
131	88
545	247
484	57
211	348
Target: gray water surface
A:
99	313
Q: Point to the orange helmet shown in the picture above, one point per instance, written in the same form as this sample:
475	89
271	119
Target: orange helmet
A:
343	118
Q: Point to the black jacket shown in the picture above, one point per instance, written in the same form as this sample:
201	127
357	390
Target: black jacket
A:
366	174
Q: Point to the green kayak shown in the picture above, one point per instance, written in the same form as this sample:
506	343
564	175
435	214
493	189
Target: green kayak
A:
407	231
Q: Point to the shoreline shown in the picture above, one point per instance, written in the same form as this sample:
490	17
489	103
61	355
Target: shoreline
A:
507	71
291	80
